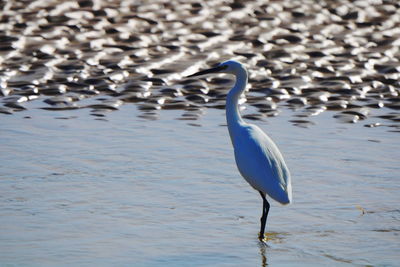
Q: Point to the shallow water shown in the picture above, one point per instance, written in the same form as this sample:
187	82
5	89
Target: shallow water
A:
131	191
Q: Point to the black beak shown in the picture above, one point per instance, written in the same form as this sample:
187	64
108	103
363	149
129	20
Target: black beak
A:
212	70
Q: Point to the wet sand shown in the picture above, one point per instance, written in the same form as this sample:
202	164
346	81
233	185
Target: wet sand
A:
312	57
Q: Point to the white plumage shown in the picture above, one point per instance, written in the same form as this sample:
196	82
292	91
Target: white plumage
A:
257	157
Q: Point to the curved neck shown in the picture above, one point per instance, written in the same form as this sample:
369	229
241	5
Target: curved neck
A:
233	117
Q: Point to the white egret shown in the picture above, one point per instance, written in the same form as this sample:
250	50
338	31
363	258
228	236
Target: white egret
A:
257	157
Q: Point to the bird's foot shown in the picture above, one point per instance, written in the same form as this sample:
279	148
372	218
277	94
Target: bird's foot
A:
263	241
262	237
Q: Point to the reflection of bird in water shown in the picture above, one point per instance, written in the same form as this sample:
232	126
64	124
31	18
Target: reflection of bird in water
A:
257	157
263	253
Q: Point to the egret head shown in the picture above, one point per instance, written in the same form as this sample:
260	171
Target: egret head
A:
229	66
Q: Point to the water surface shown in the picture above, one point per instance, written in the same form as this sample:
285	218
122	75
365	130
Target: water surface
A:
129	191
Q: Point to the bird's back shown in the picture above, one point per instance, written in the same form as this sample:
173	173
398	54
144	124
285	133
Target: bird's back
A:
261	163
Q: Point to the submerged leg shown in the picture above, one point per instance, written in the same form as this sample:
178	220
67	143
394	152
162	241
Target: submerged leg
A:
264	215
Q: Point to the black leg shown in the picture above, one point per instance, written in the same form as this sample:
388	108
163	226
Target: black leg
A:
264	215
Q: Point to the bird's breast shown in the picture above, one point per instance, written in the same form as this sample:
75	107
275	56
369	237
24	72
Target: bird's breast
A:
261	164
